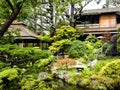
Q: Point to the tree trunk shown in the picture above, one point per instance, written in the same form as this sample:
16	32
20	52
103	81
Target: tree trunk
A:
72	21
9	21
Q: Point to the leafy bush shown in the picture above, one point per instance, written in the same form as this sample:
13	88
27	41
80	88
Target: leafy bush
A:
77	49
106	48
43	64
98	44
2	65
9	79
91	38
28	55
29	83
61	23
21	57
65	32
100	83
45	38
59	46
111	70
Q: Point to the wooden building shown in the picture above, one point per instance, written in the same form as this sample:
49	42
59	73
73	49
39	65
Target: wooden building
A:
25	36
98	21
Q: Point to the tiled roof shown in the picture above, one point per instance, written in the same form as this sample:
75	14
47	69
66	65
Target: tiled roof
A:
100	11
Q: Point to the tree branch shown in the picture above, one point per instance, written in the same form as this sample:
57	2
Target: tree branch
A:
11	18
10	4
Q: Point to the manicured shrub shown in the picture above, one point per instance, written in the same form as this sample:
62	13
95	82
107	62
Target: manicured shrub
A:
59	46
111	70
65	32
14	55
77	49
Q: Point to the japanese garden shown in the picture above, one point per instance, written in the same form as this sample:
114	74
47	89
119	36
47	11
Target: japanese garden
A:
54	45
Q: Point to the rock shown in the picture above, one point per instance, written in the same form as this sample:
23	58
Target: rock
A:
92	63
64	75
79	67
42	75
61	74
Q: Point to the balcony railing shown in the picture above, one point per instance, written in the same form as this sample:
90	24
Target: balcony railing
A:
89	25
95	28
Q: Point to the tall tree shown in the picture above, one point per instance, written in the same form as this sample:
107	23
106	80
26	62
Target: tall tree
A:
74	9
15	10
12	9
46	15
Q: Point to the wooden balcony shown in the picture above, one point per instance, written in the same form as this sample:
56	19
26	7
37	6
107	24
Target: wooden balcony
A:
97	29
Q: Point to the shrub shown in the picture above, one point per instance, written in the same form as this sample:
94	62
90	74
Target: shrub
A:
65	62
65	32
9	79
106	48
14	55
118	44
59	46
98	44
2	65
91	38
111	70
29	83
45	38
43	64
100	83
77	49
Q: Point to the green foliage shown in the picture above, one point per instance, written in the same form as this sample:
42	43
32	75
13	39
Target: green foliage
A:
100	83
97	44
65	32
45	38
9	79
21	57
25	11
29	83
9	37
91	38
77	49
106	48
73	78
85	82
2	65
86	73
100	64
61	23
118	44
59	46
111	70
43	64
62	39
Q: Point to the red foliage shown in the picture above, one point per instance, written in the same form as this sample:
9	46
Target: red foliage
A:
66	61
